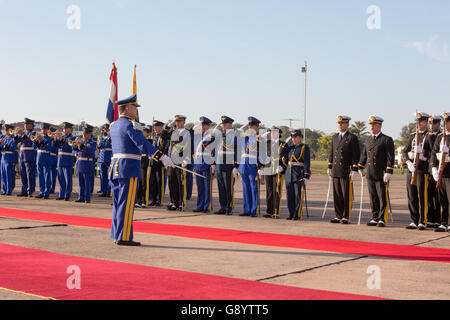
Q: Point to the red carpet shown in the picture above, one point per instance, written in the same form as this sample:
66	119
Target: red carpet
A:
258	238
43	273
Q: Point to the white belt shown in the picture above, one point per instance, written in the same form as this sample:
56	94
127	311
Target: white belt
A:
26	148
43	151
225	152
84	159
65	154
252	156
53	154
296	164
106	149
127	156
7	152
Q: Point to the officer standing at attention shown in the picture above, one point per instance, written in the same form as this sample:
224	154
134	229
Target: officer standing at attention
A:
226	164
144	183
85	149
158	178
249	166
53	162
379	156
65	161
297	160
343	168
44	143
7	148
203	160
128	143
418	166
104	160
27	159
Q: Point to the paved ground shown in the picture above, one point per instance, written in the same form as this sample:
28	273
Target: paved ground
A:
400	279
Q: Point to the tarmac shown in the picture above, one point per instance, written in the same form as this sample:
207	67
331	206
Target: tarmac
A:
331	271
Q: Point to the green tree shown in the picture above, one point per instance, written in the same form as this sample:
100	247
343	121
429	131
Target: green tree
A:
405	133
359	129
324	143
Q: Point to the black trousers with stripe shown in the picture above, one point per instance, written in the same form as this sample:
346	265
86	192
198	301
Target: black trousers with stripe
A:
444	196
378	199
177	187
342	197
271	193
434	205
418	197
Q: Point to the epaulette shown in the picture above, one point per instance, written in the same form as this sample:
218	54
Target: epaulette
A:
414	133
137	126
430	133
440	134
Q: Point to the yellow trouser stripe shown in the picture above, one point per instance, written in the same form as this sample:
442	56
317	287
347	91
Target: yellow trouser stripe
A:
300	209
387	203
280	195
210	190
133	200
425	196
258	181
129	208
162	186
184	188
147	185
350	204
232	191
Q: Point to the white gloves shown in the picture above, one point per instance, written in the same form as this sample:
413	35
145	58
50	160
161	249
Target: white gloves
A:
167	162
411	167
387	177
329	172
361	173
184	163
444	149
280	169
353	175
260	172
418	149
435	172
235	173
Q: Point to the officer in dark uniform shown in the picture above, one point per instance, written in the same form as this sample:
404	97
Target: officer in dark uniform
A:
65	161
43	144
7	147
144	184
226	164
158	178
85	149
440	163
434	206
296	157
104	160
343	168
53	162
379	156
27	159
417	156
128	143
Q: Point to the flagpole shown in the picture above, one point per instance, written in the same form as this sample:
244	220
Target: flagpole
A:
305	71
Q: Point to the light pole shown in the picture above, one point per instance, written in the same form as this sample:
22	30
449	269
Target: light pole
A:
305	71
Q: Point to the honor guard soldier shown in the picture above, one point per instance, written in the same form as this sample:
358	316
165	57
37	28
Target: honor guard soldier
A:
378	156
226	167
203	160
158	178
43	144
297	159
104	148
53	161
273	172
85	148
65	161
180	152
434	206
440	162
143	193
343	168
248	168
27	159
128	143
7	147
416	156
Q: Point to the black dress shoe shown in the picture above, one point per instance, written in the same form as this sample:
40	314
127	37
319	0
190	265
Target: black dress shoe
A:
372	223
87	202
79	201
206	211
128	243
30	196
171	207
46	197
197	210
59	199
345	221
268	215
158	204
335	220
67	199
152	204
22	195
289	218
253	215
38	197
99	192
244	215
221	211
295	219
180	208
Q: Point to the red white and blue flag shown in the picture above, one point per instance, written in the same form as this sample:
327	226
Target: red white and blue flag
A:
112	113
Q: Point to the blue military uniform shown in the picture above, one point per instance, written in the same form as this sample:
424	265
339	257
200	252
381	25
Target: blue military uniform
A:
53	164
128	144
44	148
203	159
85	166
7	148
65	164
104	161
297	161
27	161
248	168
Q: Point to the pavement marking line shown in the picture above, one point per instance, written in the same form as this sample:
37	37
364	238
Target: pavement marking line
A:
385	250
35	227
27	294
437	239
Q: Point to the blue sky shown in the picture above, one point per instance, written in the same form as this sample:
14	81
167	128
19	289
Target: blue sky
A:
239	58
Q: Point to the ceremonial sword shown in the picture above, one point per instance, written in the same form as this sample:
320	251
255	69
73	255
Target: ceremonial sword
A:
184	169
328	197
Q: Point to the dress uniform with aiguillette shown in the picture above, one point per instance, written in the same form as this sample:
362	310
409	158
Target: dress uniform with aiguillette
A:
85	153
417	156
128	144
378	158
65	164
27	161
7	147
343	167
44	147
104	160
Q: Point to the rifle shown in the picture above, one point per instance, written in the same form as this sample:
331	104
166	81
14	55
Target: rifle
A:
416	158
442	164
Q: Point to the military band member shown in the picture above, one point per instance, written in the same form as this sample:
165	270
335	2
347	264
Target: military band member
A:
378	158
440	162
343	168
27	159
203	160
128	143
43	144
418	192
53	162
85	149
180	152
144	183
226	165
158	178
65	161
297	160
104	160
7	147
248	168
434	206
